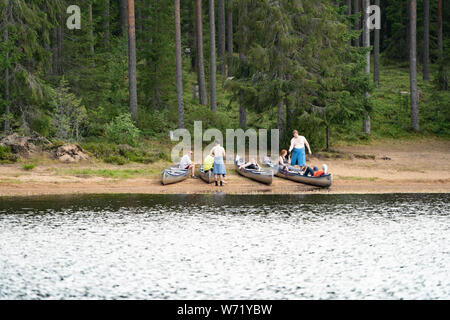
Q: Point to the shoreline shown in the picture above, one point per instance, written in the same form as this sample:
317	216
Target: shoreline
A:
412	167
197	187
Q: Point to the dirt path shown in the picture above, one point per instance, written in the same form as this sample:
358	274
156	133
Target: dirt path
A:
414	167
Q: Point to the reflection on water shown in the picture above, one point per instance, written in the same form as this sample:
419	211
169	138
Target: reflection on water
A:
225	247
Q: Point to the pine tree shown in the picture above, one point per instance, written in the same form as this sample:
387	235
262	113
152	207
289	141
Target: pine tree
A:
366	44
200	58
413	65
123	16
6	13
221	36
132	60
212	53
376	53
179	65
229	34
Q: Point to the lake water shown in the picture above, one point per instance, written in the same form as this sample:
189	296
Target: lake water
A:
226	247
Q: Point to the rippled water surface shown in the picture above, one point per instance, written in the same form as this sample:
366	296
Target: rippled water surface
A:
225	247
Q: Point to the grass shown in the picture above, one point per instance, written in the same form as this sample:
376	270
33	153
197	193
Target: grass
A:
112	173
28	166
10	181
390	117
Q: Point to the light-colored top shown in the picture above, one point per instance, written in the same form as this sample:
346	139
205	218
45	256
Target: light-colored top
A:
218	151
208	163
298	143
185	162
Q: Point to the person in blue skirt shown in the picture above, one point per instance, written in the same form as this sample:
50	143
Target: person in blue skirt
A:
219	169
297	149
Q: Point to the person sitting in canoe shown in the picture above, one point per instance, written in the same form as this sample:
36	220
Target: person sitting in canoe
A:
252	164
322	172
283	162
187	164
297	149
315	172
219	169
208	163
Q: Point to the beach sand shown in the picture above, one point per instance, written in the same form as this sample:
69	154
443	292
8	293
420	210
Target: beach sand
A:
414	167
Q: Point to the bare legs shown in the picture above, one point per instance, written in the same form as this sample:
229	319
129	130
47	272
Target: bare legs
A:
219	179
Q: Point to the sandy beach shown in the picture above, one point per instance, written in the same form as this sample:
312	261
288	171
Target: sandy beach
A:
383	167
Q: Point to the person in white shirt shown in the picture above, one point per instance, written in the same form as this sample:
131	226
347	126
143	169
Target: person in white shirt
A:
187	164
219	169
297	148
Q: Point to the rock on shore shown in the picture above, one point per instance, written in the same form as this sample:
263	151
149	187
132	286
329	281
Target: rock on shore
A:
70	153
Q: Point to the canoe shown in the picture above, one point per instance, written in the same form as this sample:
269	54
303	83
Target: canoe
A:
173	175
295	174
263	175
208	177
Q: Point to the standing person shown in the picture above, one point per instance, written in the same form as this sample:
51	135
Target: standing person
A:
187	164
219	169
297	148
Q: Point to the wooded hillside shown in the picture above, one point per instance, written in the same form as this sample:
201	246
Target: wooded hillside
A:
144	67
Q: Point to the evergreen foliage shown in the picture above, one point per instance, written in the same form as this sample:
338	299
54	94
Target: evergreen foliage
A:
293	67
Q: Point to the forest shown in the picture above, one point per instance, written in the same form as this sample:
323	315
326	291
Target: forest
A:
137	69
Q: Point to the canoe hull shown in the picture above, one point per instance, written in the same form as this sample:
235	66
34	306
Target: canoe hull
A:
208	177
173	175
324	181
263	176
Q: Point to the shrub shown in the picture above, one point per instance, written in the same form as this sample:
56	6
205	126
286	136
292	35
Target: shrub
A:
123	131
28	167
115	159
6	156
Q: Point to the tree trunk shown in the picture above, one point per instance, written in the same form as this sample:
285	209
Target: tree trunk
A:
221	36
366	44
328	137
200	58
376	53
440	36
106	31
408	25
6	93
426	40
179	65
212	63
242	58
139	24
123	17
55	58
280	118
60	46
91	34
288	114
243	30
132	60
356	10
348	12
413	66
229	36
242	112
